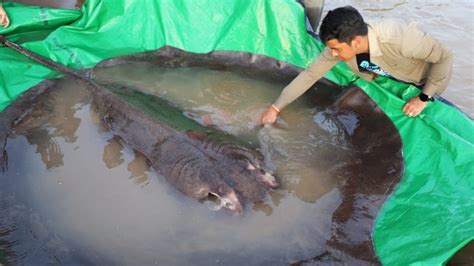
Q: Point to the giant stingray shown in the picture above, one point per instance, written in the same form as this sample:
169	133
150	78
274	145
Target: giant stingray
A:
200	162
377	164
374	172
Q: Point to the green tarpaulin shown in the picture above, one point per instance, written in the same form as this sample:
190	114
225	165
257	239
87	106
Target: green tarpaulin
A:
429	216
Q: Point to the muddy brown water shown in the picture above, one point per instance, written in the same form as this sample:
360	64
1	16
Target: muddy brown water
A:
73	193
129	215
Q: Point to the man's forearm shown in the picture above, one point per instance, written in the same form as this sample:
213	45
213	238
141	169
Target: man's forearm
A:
440	74
295	89
305	80
418	44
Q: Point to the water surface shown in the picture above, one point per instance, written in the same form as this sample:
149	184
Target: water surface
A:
74	193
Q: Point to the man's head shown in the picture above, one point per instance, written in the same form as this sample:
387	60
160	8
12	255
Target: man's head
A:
344	31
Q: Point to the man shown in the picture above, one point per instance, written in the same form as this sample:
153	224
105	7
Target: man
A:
388	48
4	21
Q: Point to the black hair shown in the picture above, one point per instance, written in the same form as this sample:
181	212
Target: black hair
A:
343	24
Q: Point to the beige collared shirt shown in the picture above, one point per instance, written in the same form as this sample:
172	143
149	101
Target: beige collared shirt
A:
404	51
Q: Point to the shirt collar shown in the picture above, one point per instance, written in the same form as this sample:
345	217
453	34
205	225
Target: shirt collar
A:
374	48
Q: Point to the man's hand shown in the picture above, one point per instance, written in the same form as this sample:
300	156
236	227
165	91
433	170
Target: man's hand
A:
414	107
270	115
4	21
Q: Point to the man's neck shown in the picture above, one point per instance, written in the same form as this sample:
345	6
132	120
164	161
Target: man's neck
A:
364	45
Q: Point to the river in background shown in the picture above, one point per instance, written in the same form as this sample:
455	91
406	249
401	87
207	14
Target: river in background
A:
451	22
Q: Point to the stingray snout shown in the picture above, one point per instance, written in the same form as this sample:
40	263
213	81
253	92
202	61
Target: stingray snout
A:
229	201
269	180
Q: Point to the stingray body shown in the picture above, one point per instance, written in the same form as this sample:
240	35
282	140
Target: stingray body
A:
198	161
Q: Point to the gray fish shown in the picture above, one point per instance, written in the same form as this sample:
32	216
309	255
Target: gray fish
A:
198	161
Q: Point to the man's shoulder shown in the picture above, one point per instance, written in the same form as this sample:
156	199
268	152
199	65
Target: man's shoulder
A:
388	27
391	32
388	22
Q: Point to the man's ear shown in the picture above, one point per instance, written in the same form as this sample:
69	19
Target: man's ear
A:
356	42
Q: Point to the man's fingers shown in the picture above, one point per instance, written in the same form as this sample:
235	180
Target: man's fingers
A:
408	110
413	107
268	120
412	112
405	107
269	116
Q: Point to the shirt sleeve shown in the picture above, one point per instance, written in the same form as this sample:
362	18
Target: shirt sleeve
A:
420	45
318	68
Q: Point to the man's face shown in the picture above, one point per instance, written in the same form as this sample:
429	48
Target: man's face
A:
341	50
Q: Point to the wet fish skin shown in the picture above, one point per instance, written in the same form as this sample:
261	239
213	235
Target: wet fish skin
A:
188	169
199	163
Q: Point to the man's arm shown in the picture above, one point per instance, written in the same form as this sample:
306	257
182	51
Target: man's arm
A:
300	84
420	45
306	79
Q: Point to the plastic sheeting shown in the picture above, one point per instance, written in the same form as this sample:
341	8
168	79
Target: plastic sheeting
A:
429	216
431	213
